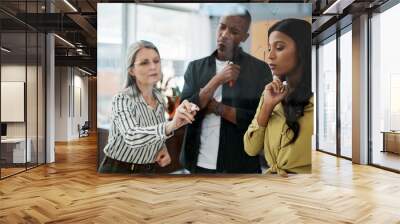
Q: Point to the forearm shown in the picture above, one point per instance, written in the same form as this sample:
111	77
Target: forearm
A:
207	92
264	115
228	113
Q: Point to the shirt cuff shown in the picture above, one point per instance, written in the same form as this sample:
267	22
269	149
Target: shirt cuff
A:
162	130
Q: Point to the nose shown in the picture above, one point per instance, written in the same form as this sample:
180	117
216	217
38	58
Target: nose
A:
225	34
153	65
271	54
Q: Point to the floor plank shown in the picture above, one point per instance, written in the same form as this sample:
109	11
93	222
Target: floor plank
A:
70	191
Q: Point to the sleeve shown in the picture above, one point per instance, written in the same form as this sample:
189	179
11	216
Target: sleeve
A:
126	122
254	137
190	92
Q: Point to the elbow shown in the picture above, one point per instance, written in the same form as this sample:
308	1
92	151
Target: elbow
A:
250	147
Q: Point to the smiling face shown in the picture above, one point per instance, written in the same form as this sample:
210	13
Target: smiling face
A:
282	54
146	67
232	30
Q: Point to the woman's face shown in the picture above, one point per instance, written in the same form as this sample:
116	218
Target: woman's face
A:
282	54
147	67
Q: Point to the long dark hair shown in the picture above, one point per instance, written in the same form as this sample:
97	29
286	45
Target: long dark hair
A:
293	105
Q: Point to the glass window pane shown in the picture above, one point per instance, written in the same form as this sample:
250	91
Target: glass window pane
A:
327	97
13	83
31	98
385	84
346	94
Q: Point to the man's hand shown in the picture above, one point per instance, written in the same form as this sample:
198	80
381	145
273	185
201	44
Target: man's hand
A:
163	159
229	73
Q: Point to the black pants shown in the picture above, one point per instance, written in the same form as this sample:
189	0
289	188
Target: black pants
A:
200	170
109	165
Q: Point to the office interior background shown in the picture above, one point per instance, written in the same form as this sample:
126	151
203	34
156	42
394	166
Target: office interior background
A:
51	109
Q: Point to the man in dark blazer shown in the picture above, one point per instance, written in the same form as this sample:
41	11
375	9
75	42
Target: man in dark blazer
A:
227	86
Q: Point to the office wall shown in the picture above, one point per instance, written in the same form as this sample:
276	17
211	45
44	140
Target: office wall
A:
17	73
71	102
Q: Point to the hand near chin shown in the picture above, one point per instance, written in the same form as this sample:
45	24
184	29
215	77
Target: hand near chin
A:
275	92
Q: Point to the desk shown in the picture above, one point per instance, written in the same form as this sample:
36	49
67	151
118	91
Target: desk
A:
391	141
16	148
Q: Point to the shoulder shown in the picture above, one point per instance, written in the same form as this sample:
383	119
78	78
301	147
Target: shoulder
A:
200	62
123	98
253	60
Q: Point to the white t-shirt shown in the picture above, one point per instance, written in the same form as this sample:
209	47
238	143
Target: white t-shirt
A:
210	130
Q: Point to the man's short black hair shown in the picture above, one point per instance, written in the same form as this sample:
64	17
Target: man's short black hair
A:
245	14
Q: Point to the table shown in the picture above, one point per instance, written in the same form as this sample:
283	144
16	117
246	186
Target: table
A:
391	141
13	150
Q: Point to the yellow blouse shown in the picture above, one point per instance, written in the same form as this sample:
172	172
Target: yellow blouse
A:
281	156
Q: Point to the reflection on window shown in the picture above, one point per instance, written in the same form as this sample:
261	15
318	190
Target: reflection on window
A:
327	97
346	94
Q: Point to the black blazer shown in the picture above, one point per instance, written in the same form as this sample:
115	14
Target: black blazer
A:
244	96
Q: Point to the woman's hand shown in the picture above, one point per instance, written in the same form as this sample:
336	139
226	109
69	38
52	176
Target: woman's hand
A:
275	92
184	114
163	158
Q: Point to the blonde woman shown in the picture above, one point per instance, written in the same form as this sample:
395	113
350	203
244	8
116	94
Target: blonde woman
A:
139	129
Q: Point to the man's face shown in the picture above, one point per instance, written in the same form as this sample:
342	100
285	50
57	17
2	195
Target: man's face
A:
231	31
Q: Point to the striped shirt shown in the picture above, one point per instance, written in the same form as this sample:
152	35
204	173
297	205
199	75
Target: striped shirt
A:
137	131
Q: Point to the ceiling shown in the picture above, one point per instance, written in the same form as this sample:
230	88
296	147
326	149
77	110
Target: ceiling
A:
76	20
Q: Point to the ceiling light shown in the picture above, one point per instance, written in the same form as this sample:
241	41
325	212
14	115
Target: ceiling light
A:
65	41
70	5
337	7
84	71
5	50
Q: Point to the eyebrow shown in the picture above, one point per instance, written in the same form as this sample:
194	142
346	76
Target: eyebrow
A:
279	42
230	27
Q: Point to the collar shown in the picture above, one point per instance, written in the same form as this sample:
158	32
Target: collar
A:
237	60
139	97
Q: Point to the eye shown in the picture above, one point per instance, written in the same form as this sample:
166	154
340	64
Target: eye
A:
234	32
280	47
156	61
144	63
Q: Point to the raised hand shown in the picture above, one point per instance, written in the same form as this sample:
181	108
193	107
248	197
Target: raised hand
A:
184	114
229	74
275	92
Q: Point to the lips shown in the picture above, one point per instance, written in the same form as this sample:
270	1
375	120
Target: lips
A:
272	66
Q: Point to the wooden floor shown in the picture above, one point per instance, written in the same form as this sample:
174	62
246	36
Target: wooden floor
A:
70	191
387	159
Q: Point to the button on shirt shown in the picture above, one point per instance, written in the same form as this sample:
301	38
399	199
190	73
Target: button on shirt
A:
137	131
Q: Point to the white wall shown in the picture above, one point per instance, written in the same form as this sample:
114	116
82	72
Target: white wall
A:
67	114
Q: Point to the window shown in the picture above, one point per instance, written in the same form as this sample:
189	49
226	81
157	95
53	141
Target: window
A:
385	88
346	94
327	96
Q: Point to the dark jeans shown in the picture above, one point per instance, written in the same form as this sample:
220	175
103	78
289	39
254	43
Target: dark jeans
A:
109	165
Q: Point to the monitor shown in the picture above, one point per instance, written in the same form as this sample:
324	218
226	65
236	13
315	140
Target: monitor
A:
3	129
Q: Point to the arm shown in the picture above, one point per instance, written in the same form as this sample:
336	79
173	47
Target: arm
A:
134	135
254	137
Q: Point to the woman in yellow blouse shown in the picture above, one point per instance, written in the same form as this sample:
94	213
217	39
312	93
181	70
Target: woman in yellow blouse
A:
283	124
